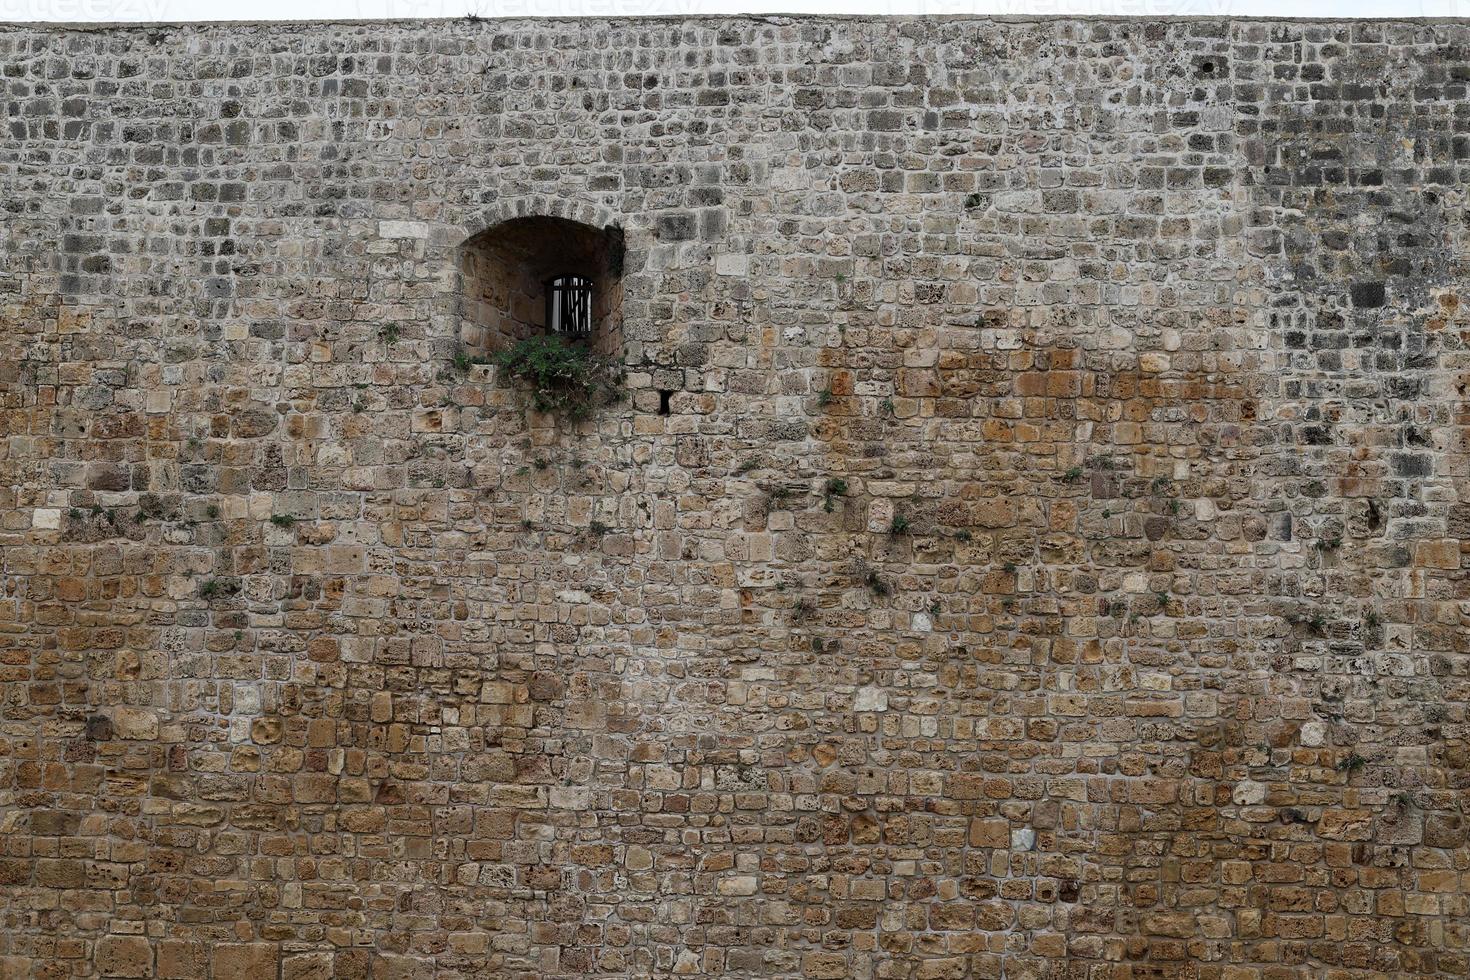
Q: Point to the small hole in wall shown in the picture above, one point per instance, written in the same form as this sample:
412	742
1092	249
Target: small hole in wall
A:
663	402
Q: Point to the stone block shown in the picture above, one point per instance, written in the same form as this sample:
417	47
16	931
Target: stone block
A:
245	961
123	956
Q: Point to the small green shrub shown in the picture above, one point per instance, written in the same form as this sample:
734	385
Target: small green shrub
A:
283	520
389	333
562	377
824	397
900	524
777	493
215	588
834	487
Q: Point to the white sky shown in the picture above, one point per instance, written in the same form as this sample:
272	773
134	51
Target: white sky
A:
191	10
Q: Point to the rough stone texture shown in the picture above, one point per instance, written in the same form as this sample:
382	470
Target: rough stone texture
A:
1134	645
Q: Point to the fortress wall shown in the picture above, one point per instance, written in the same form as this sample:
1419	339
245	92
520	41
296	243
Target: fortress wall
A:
1052	562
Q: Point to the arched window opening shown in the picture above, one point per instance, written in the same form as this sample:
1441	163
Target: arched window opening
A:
535	275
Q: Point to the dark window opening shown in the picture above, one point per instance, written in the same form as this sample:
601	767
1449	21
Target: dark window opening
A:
569	306
663	402
542	275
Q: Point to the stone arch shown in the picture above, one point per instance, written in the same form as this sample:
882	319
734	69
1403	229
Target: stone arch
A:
512	252
542	206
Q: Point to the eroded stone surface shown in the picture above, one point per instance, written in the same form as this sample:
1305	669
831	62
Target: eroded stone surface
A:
1033	546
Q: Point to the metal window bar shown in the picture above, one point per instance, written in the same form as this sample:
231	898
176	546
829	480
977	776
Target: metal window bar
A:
569	305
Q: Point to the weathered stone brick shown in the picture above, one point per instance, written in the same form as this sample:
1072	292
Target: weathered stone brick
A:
123	956
182	959
244	961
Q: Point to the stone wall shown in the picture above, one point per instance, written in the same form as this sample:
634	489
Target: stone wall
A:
1052	562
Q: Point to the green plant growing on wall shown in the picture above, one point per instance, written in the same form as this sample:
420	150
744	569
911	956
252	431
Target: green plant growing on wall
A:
802	610
824	397
900	524
868	575
463	362
562	377
1072	475
833	488
283	520
215	588
389	333
777	493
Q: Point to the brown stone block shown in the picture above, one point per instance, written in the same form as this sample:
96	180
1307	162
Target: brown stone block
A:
990	832
966	786
308	966
314	787
1438	554
946	968
387	966
124	956
134	723
59	873
15	968
352	964
182	959
824	966
245	961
